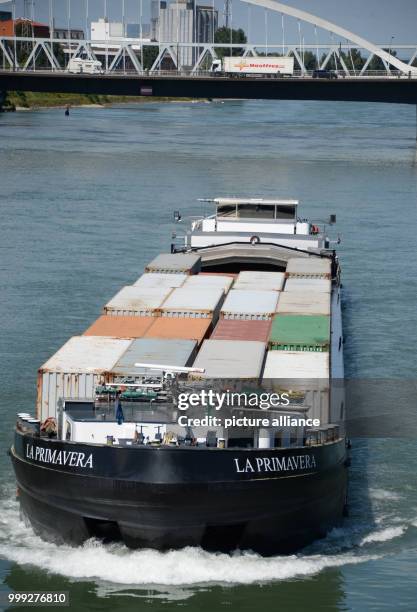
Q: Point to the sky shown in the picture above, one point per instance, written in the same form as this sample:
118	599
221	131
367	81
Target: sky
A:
376	20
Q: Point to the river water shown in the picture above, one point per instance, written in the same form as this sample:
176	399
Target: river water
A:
87	200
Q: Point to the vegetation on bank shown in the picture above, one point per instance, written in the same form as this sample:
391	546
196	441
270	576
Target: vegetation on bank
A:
31	100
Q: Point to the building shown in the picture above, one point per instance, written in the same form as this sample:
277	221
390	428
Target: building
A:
176	25
183	21
23	27
6	24
62	33
104	30
207	23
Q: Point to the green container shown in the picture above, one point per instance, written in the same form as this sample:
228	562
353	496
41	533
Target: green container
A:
299	333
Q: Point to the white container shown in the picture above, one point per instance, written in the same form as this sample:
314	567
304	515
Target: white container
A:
321	285
249	304
193	302
202	281
173	263
160	279
304	303
230	359
309	267
263	281
137	301
297	364
75	370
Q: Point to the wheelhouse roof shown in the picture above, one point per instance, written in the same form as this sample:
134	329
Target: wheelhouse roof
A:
252	201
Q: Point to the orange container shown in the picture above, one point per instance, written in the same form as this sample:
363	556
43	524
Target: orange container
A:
119	327
179	328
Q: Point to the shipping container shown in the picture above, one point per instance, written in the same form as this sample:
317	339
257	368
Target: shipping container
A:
301	375
137	301
323	285
230	359
156	351
249	304
119	327
174	263
193	303
230	329
167	327
309	267
160	279
259	280
304	303
202	281
75	370
300	333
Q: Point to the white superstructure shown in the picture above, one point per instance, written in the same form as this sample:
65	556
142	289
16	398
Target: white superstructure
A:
255	220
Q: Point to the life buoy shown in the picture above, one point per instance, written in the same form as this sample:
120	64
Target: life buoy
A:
315	229
255	240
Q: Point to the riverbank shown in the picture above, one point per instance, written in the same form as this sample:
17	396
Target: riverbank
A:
28	100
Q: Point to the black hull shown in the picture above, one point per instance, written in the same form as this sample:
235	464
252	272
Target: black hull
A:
166	498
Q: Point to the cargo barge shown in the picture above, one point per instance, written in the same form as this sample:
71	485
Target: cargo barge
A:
246	309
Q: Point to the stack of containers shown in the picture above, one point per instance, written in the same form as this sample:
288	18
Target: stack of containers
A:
175	328
161	279
156	351
201	281
294	332
76	370
259	280
305	373
231	329
247	304
120	327
299	339
309	267
175	263
193	302
230	359
137	301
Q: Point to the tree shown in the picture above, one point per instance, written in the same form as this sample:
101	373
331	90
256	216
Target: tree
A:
227	36
376	62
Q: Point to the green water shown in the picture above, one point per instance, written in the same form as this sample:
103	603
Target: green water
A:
87	200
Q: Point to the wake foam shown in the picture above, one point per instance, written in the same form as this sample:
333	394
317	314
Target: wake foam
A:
114	563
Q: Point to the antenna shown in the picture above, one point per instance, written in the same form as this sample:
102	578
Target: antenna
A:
168	368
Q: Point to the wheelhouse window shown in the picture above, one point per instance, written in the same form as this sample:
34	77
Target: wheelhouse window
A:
257	210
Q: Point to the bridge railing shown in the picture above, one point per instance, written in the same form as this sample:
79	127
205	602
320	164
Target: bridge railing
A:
131	56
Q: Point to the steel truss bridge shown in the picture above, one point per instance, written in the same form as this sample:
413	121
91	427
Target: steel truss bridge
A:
45	67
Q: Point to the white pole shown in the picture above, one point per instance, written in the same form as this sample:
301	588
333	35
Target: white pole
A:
51	31
32	11
124	36
106	34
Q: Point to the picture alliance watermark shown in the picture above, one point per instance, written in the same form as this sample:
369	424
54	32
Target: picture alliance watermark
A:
217	401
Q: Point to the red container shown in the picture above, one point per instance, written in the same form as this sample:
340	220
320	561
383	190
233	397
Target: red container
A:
229	329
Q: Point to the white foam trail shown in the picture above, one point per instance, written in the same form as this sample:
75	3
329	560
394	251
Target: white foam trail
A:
185	567
114	563
383	494
384	535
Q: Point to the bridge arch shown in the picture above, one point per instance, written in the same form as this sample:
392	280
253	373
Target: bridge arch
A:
332	27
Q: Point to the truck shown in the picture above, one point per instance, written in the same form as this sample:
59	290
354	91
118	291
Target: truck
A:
77	65
272	66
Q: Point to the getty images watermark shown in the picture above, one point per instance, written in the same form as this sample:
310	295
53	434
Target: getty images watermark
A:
232	399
